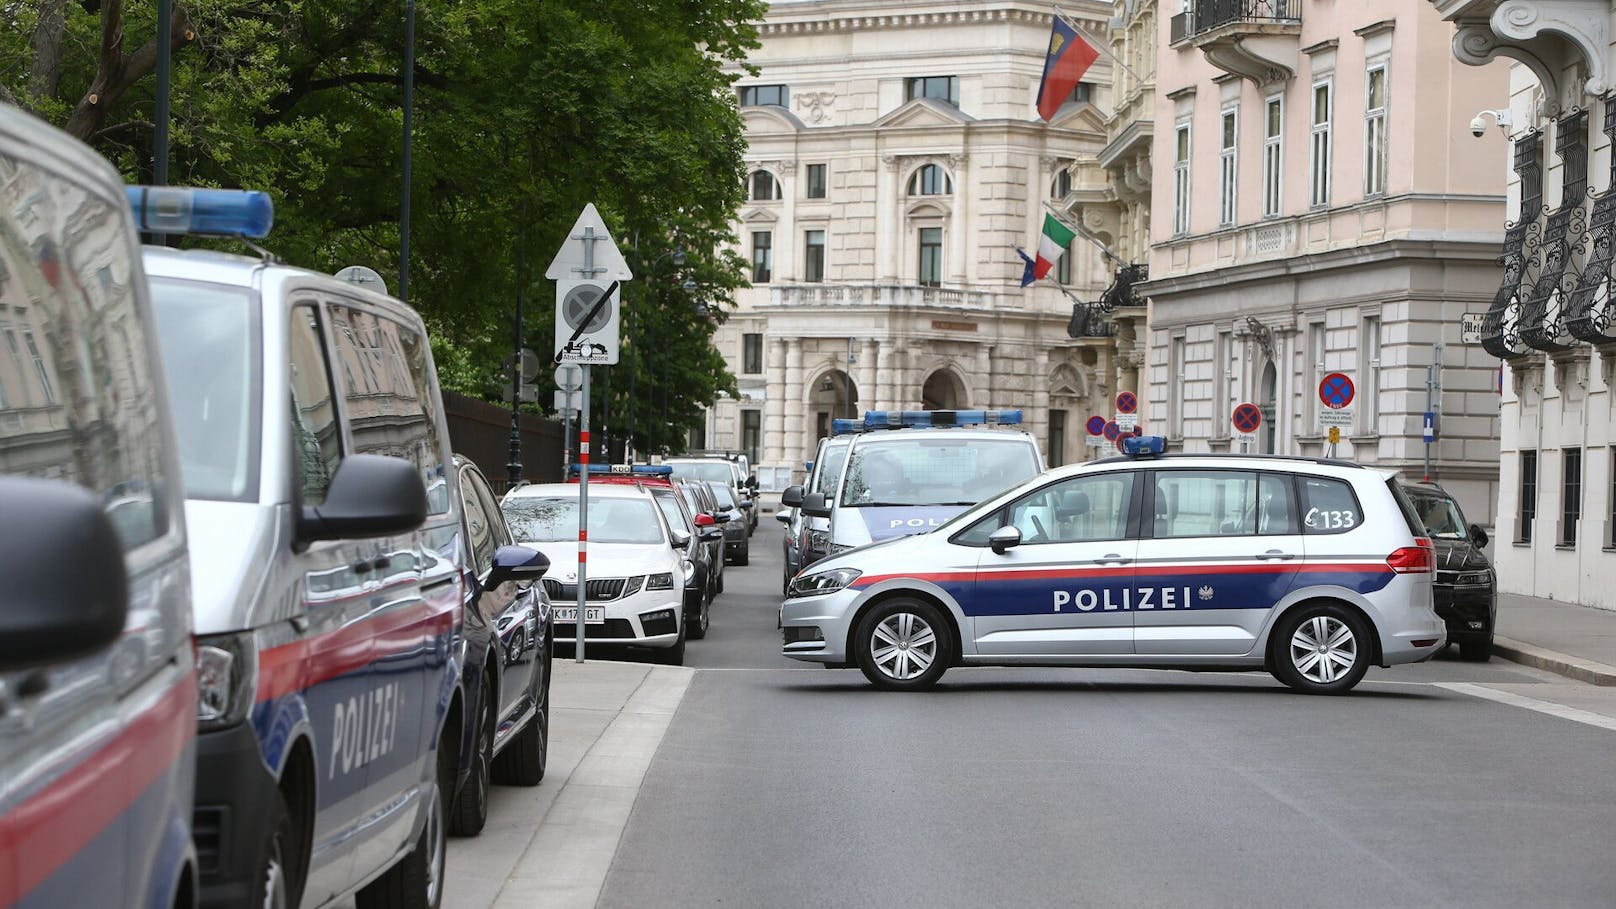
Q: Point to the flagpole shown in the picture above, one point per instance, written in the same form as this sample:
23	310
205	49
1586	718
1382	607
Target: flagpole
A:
1099	44
1083	232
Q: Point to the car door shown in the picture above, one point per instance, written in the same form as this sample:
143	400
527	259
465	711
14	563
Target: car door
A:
1221	549
508	609
1067	588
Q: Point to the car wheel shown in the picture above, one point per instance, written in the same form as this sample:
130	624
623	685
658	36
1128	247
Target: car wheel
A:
1476	648
469	811
280	880
416	882
720	581
1321	649
522	762
696	625
744	556
903	645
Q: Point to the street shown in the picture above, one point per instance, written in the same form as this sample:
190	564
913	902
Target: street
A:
781	784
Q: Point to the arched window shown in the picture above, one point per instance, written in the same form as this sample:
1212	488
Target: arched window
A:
1061	186
930	180
764	187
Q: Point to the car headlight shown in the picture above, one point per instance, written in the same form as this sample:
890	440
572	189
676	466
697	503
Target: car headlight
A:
819	540
1474	577
226	678
663	581
690	572
838	548
823	582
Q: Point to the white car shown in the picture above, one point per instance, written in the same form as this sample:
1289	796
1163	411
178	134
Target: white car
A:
636	580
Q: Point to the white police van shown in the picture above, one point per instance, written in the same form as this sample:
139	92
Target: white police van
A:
97	681
1311	569
320	493
909	472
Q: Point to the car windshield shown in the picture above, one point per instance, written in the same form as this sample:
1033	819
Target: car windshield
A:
208	334
714	470
668	501
918	469
724	495
612	519
828	472
1439	513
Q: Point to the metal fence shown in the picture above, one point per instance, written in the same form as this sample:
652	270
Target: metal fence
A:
482	432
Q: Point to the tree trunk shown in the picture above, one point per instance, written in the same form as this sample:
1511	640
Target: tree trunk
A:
116	72
45	74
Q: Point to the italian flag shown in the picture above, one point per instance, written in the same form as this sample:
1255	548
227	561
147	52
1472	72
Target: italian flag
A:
1052	245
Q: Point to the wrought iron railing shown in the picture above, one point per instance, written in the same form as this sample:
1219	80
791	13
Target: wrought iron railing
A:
1210	14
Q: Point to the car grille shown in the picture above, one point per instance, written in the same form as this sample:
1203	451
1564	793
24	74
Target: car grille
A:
595	590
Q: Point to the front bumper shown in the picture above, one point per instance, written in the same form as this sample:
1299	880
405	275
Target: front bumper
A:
829	616
631	622
1467	610
234	791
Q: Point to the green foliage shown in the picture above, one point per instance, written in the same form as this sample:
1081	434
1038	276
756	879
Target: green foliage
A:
525	111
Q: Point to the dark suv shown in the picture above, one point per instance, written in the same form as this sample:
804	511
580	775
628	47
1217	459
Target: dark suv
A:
1466	589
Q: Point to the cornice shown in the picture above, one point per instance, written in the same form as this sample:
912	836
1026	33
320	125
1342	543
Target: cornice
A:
976	17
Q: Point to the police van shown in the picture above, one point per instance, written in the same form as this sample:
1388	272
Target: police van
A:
97	681
1313	570
807	539
909	472
320	494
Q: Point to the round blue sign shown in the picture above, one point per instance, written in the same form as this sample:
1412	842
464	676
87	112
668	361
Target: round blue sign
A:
1336	391
1112	430
1096	425
1247	417
1127	402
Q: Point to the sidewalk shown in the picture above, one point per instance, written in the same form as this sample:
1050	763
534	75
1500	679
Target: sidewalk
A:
1578	642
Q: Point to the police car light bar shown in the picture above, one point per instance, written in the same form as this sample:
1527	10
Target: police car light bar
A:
843	427
201	212
1143	446
886	419
638	470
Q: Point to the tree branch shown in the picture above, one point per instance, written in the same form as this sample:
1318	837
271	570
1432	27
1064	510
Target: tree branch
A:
117	72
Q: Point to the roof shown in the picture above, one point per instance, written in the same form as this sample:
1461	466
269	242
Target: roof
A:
1232	456
570	490
247	271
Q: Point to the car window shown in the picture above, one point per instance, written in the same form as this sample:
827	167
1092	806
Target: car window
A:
314	417
713	470
1439	513
828	470
1328	506
496	519
536	519
479	528
1082	509
669	503
920	469
723	496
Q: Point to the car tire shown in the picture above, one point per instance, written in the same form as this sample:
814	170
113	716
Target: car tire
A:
469	811
416	881
1476	648
903	645
522	762
672	656
720	581
280	877
696	627
1310	644
744	557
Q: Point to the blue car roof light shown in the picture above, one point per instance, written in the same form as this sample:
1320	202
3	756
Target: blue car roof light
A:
893	419
1143	446
201	212
638	470
843	427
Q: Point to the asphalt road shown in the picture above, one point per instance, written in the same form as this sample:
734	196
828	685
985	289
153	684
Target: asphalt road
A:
781	784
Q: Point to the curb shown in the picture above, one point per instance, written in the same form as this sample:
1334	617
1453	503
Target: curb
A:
1553	661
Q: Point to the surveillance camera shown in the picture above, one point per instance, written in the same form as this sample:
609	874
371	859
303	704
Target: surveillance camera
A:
1478	127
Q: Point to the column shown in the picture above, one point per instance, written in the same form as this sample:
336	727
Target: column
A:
883	377
869	355
775	405
981	396
1039	418
888	222
794	404
786	267
959	225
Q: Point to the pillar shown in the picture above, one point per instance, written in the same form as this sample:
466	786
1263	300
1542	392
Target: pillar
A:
775	405
869	356
795	405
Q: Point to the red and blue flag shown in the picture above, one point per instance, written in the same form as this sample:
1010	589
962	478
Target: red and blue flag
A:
1070	56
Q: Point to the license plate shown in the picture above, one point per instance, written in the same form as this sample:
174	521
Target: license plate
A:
593	615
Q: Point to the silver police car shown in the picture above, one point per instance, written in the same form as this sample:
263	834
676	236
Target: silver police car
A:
1313	570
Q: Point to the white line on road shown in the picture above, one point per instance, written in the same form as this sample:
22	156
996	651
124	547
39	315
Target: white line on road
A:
1520	700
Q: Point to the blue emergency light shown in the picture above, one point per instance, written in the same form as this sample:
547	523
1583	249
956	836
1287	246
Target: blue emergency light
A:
201	212
890	419
625	470
1143	446
843	427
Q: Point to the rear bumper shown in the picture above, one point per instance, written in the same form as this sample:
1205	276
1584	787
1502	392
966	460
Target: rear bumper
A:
234	791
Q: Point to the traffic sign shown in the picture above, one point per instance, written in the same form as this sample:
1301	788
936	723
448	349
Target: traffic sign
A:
1247	418
1338	418
1127	402
1336	391
569	377
1112	431
1335	435
363	277
589	252
1096	425
565	402
587	321
1127	421
1430	426
530	393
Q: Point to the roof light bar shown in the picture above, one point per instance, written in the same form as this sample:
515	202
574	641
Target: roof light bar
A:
889	419
623	470
201	212
1143	446
843	427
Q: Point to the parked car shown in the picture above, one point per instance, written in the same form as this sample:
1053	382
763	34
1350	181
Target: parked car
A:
634	589
720	470
737	545
1466	587
807	538
505	650
745	481
701	502
696	534
317	486
98	686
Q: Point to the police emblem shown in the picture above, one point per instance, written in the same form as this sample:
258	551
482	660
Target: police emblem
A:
1205	593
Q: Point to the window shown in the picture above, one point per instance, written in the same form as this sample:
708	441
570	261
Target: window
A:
1079	510
314	415
698	437
1213	503
1273	154
1228	169
1570	496
39	367
931	257
764	187
1063	267
1316	350
930	180
813	260
1375	140
1082	93
1528	503
1368	397
752	434
762	256
1323	109
942	88
1175	387
1061	186
815	181
751	354
1328	506
1181	181
754	95
1057	438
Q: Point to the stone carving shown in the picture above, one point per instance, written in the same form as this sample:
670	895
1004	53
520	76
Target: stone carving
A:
816	105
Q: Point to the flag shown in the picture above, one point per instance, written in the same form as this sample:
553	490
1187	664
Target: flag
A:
1051	246
1070	56
1027	275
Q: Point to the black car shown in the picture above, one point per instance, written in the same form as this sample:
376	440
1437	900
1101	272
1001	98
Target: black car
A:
701	502
737	532
1466	585
505	664
695	539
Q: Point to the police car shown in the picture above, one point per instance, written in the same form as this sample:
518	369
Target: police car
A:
807	539
1313	570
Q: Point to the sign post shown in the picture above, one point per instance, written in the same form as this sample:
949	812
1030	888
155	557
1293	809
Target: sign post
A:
1433	402
569	379
1247	419
587	280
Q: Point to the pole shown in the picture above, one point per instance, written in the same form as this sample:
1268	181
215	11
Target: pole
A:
404	204
1433	384
566	437
583	514
513	466
165	67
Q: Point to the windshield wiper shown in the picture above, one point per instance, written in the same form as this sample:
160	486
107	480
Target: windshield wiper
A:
880	504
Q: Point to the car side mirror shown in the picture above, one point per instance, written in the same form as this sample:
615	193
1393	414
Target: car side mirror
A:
746	503
814	505
517	563
369	496
712	535
703	519
783	516
751	483
1005	539
66	593
1478	536
680	538
734	515
791	497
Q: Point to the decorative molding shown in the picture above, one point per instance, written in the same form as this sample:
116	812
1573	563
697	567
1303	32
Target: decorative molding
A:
1376	28
1329	44
1477	45
969	17
1582	22
1187	91
817	105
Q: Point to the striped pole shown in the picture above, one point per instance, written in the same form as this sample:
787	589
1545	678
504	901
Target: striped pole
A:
583	514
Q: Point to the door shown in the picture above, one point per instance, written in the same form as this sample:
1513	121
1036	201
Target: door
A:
509	608
1222	547
1067	589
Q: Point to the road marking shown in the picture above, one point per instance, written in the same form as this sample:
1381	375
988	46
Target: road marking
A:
1520	700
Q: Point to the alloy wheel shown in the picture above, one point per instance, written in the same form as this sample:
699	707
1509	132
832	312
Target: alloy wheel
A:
1323	649
903	645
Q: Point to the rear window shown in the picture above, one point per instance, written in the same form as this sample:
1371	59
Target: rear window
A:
714	471
1329	506
1410	516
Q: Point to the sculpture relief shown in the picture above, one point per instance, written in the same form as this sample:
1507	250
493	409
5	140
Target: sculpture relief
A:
816	106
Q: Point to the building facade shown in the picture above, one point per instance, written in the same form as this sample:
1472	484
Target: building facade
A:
896	161
1321	207
1549	322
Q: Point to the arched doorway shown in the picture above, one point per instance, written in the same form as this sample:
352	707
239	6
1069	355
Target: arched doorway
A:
833	397
943	391
1270	394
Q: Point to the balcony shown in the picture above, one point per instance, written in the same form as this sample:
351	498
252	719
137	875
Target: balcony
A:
1253	39
883	295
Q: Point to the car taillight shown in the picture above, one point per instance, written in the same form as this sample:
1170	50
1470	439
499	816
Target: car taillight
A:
1417	559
